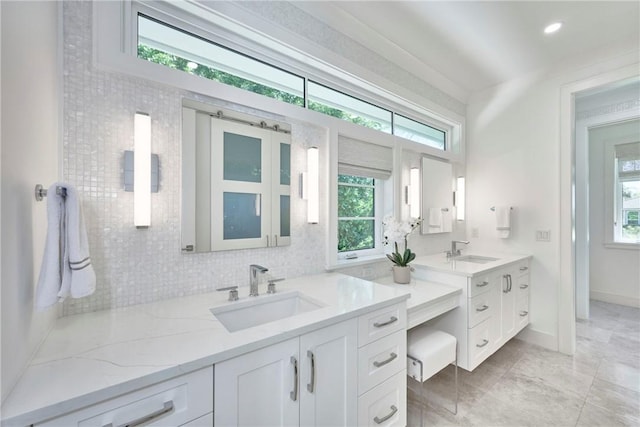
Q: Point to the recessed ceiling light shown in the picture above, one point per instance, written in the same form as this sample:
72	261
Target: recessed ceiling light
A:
552	28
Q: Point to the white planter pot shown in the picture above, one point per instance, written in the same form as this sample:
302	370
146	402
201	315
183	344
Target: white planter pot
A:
401	275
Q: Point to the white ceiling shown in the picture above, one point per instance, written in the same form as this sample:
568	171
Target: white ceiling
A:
477	44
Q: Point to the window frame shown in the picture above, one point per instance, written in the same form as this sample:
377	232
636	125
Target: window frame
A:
613	200
119	54
378	211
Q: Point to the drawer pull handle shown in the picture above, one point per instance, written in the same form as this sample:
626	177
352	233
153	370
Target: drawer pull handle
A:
483	284
293	395
523	313
386	417
388	322
524	268
166	408
392	356
312	382
524	286
483	308
484	342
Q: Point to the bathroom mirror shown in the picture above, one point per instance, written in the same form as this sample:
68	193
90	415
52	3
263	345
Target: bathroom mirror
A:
437	196
236	177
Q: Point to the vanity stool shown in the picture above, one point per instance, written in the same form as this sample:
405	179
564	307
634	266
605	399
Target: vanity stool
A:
428	352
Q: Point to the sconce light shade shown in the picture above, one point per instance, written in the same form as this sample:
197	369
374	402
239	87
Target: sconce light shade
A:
460	195
311	186
414	193
142	171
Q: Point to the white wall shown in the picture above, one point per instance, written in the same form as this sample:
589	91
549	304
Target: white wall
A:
614	273
30	152
513	159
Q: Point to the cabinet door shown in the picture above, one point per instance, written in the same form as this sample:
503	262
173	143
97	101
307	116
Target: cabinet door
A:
259	388
329	376
281	199
508	304
241	183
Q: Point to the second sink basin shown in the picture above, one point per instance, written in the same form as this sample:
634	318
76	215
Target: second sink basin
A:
263	309
475	258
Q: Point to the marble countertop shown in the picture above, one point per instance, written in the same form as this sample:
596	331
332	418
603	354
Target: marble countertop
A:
439	262
96	356
428	299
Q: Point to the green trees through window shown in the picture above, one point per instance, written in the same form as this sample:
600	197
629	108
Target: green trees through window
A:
356	213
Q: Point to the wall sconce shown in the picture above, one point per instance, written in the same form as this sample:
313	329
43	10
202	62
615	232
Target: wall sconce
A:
459	198
413	193
141	171
310	185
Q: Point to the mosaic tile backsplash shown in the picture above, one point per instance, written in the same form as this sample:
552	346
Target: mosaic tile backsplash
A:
138	266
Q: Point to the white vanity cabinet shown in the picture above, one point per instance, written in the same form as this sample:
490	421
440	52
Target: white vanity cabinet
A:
493	309
186	400
309	380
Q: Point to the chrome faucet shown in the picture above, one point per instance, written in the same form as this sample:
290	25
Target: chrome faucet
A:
254	269
454	251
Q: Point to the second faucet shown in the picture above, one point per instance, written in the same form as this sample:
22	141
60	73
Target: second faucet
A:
254	269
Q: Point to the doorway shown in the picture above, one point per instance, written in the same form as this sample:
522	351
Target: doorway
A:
570	264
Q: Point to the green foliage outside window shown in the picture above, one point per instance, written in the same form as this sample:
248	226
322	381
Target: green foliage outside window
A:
356	213
178	63
182	64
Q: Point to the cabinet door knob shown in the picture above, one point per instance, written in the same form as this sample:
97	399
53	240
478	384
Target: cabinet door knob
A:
386	417
483	308
524	268
482	284
312	382
484	342
166	408
391	357
294	394
388	322
523	313
524	286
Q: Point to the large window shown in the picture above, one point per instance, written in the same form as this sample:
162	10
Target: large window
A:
627	193
179	49
356	213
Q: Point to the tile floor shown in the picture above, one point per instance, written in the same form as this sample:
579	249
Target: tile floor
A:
526	385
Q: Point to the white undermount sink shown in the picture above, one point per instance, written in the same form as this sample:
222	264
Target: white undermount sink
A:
254	311
475	259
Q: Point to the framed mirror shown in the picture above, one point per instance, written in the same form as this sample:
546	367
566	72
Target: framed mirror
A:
437	196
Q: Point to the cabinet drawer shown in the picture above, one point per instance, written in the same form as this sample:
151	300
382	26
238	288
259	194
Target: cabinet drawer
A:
482	341
381	359
521	286
481	307
375	325
386	404
170	403
522	312
479	285
522	268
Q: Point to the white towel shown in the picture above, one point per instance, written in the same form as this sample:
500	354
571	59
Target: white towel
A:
435	219
66	264
503	221
447	223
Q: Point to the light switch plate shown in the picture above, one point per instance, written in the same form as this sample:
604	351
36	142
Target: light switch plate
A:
543	235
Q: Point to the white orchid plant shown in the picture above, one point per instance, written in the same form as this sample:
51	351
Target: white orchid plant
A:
398	231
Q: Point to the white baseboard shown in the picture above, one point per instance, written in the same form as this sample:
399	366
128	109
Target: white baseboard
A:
615	299
542	339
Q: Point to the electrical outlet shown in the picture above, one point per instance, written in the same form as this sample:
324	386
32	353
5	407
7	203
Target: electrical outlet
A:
475	232
543	235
